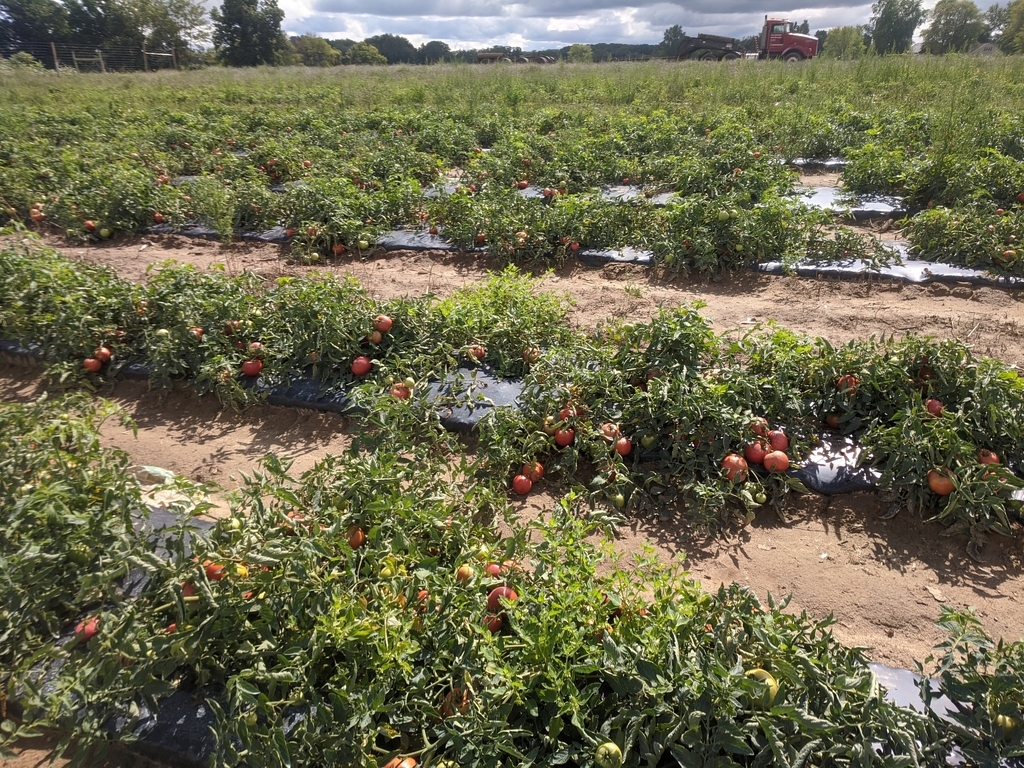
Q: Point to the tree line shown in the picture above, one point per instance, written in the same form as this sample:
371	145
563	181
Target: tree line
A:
248	33
952	26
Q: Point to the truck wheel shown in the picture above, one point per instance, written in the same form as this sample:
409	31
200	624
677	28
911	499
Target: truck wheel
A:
793	56
732	56
709	56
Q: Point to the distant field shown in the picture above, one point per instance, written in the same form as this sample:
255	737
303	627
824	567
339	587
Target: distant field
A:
339	157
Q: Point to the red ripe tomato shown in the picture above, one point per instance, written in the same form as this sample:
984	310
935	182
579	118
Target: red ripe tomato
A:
478	352
623	446
102	354
338	248
158	218
934	407
521	484
401	762
252	367
609	432
92	365
778	440
171	628
493	570
493	623
754	453
939	482
232	326
196	333
383	323
531	355
87	629
564	437
847	384
214	571
356	537
400	390
534	471
776	461
735	467
188	589
256	349
985	456
567	413
497	595
361	365
90	225
759	426
832	420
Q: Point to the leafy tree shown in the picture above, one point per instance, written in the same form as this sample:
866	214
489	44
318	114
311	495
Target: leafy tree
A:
844	43
822	35
1012	39
343	45
804	28
957	25
434	51
996	18
247	33
315	51
32	21
671	39
580	53
364	53
395	48
893	23
615	51
105	24
178	25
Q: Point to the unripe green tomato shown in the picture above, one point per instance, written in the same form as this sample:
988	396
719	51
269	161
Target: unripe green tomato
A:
608	755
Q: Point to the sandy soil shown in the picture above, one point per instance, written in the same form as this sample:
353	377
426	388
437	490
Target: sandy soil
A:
884	581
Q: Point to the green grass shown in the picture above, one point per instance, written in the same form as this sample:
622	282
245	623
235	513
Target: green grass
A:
870	84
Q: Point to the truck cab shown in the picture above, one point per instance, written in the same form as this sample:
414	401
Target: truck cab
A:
779	41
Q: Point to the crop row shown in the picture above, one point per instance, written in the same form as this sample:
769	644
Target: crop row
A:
655	415
338	183
337	618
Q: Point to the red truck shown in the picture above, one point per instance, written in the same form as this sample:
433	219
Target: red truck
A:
776	41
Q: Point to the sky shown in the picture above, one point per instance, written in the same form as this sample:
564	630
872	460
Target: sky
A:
544	24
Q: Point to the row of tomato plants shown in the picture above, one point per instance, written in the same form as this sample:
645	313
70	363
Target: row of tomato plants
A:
339	188
337	618
943	425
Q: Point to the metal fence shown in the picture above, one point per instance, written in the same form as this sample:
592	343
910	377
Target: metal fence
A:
90	59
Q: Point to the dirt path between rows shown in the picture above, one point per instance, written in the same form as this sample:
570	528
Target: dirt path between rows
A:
884	581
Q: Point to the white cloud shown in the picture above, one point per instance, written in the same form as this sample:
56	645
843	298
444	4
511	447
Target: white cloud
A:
541	24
